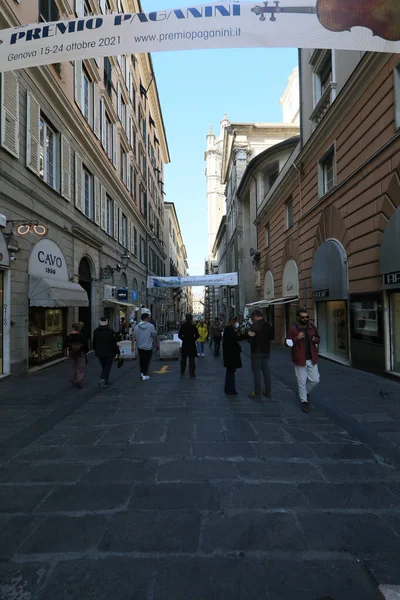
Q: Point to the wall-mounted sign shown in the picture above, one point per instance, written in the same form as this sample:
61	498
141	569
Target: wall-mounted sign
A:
47	260
392	278
134	296
290	283
122	294
319	294
269	288
109	292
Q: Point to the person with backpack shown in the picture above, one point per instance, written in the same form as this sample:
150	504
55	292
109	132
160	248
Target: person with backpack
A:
305	339
106	348
77	347
144	335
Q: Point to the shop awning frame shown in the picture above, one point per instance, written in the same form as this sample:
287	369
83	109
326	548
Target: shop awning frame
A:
55	293
112	302
265	303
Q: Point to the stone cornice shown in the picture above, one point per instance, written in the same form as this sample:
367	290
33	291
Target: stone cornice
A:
86	236
358	82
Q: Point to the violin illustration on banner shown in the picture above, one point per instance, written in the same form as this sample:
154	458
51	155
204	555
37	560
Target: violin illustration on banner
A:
382	17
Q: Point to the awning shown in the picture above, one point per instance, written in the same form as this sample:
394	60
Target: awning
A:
265	303
329	272
55	293
111	302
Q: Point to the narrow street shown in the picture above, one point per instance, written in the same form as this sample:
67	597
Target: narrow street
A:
168	489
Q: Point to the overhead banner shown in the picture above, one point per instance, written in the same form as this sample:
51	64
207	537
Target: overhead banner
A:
203	280
339	24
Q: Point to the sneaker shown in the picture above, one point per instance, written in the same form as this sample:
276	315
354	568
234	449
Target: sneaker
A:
202	354
305	407
102	384
254	396
145	377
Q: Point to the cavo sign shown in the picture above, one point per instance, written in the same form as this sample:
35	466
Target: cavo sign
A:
47	260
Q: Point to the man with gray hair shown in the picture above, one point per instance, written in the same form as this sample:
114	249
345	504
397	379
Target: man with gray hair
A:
260	335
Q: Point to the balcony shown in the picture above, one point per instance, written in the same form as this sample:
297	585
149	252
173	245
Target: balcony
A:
324	103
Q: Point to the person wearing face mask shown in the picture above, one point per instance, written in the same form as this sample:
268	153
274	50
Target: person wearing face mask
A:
305	338
231	352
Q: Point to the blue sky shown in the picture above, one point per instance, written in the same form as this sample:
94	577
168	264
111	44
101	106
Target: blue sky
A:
196	88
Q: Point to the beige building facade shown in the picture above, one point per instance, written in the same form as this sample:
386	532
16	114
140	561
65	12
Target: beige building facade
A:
179	298
82	151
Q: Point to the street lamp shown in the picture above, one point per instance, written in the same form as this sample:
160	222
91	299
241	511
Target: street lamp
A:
108	271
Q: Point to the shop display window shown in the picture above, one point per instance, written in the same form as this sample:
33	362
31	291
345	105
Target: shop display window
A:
366	318
46	334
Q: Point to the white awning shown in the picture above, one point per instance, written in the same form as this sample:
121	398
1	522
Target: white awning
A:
265	303
55	293
112	302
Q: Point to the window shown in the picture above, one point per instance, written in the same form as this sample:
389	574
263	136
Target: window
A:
110	216
397	94
108	75
133	182
109	137
48	153
135	242
267	235
123	164
289	214
48	10
325	73
124	231
87	185
87	102
142	250
327	172
170	227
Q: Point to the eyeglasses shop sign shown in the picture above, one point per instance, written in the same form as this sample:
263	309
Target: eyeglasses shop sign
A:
47	260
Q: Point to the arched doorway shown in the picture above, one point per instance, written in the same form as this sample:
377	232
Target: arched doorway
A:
85	312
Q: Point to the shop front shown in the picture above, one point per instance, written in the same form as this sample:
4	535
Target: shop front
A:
4	308
51	296
330	292
290	292
390	270
117	306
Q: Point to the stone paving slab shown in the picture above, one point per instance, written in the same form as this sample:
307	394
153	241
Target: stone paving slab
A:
170	489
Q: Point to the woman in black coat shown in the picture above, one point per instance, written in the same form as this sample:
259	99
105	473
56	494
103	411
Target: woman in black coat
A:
231	351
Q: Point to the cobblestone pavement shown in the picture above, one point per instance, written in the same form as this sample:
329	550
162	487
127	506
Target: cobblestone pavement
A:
168	489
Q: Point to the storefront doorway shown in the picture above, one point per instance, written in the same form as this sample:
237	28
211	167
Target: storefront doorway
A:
395	331
330	292
85	312
1	322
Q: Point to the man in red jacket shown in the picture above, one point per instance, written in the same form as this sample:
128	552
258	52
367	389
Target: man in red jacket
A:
305	338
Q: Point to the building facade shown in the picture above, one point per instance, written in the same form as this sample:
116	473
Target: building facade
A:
176	265
333	219
82	149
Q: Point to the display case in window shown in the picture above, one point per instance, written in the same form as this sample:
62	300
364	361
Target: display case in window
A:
366	317
47	330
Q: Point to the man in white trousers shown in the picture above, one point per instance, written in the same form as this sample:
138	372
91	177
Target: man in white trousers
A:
305	338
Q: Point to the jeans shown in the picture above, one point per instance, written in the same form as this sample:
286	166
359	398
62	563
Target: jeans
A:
192	365
76	370
106	364
144	360
230	387
200	347
260	364
307	378
217	344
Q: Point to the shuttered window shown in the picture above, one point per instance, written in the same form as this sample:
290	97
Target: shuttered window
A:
48	153
65	168
9	107
88	193
109	216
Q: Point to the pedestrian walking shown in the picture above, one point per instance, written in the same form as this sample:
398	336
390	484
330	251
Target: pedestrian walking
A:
77	347
188	334
231	351
260	335
305	339
202	337
216	335
144	334
105	348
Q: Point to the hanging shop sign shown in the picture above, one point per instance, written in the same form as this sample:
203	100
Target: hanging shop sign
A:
109	292
290	281
122	294
4	257
308	24
200	280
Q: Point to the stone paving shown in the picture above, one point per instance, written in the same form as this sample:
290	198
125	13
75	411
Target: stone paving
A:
168	489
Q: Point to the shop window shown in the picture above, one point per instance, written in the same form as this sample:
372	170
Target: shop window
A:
366	323
327	172
289	214
48	153
397	94
47	329
267	235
